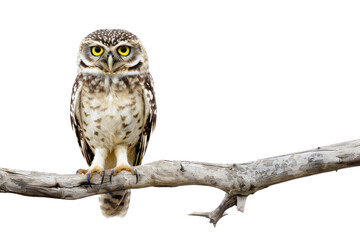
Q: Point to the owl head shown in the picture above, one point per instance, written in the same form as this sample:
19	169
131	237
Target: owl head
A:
112	51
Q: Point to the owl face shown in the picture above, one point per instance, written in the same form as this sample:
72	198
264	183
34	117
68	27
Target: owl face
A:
112	51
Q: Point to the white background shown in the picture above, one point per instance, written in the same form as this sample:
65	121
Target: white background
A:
235	81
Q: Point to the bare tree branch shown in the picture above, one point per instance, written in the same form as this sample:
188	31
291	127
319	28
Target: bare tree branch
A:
236	180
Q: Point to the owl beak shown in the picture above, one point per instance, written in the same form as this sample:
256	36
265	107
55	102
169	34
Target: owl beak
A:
110	61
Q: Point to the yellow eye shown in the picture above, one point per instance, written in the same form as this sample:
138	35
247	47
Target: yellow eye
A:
97	51
124	50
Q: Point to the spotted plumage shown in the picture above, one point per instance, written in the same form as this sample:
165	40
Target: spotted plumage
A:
111	37
113	108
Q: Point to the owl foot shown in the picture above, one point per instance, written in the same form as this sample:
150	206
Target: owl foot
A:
119	168
90	172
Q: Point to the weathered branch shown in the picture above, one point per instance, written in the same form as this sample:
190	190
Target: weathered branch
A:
237	180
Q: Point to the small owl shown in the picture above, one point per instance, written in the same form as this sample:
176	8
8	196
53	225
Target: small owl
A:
113	108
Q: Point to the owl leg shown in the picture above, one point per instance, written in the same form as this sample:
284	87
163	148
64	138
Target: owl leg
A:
97	165
122	162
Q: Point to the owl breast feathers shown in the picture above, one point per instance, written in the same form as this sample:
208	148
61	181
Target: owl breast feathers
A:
113	108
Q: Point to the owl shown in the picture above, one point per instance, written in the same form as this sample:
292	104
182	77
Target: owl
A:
113	108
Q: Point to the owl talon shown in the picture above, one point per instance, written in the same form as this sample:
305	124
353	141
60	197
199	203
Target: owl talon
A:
81	171
102	174
111	174
90	172
136	175
88	178
115	171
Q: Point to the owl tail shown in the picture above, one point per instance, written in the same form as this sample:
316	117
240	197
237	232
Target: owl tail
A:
115	203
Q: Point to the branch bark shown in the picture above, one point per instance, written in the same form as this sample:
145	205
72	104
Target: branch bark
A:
237	180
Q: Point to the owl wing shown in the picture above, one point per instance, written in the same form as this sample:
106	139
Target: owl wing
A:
149	120
75	121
